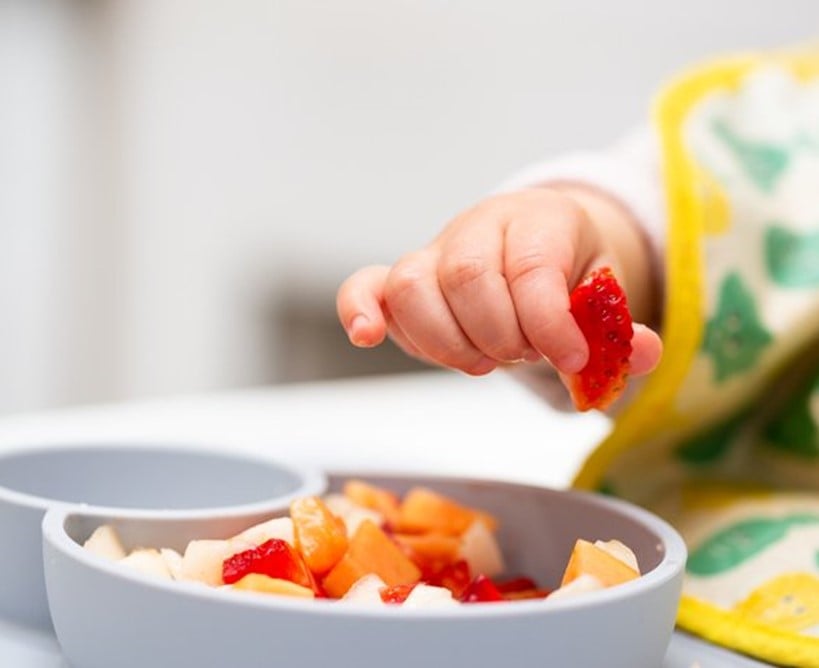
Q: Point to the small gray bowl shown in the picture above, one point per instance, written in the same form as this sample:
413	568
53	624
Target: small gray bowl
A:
106	615
196	485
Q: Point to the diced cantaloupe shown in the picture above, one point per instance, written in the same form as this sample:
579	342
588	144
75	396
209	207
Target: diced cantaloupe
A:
430	548
370	551
264	584
588	559
424	510
374	498
320	537
105	542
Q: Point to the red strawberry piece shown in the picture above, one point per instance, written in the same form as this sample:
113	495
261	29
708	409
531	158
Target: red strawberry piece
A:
396	594
526	594
274	558
599	306
515	584
454	576
481	590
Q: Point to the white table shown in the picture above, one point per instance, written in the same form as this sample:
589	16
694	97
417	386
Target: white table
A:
433	422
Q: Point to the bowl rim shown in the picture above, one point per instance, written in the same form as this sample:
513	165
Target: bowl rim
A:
309	480
670	567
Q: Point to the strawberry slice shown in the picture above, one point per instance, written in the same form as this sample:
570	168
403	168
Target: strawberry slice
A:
599	306
396	594
481	590
274	558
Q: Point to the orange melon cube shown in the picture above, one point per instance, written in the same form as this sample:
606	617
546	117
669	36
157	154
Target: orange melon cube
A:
374	498
319	535
430	548
370	551
264	584
426	511
588	559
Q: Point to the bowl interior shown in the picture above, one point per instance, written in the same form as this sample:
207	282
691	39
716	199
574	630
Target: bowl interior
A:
150	478
538	527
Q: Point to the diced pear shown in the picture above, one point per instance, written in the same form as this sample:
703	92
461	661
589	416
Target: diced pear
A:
203	559
149	562
619	551
105	542
173	561
427	596
480	550
580	585
366	591
351	513
279	527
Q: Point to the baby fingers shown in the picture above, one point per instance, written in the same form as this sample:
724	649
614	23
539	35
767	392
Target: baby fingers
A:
417	305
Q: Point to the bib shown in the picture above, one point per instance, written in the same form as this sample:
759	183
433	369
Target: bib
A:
723	439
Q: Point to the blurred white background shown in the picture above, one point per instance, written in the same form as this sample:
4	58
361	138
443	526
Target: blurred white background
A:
183	183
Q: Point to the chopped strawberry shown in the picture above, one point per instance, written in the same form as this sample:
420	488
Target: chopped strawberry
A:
525	594
481	590
515	584
599	306
454	576
274	558
396	594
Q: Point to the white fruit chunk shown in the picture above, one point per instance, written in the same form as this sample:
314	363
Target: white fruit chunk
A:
366	591
619	551
580	585
351	513
105	542
427	596
173	561
280	527
480	550
203	559
149	562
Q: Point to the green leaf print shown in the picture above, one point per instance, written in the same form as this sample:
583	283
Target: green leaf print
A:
734	336
710	445
794	430
792	259
732	546
763	163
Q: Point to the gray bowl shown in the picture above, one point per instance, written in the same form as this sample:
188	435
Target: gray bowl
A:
152	481
104	613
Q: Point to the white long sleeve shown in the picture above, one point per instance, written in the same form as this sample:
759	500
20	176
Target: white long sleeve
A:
628	171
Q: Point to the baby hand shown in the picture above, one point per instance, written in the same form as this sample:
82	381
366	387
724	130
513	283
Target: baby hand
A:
494	286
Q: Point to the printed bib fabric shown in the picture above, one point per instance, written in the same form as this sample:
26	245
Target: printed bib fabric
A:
723	440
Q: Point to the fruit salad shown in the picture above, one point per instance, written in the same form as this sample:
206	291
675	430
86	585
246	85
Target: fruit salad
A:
367	546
